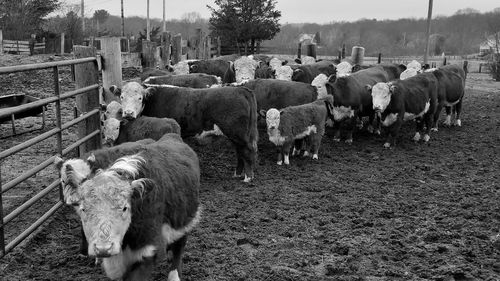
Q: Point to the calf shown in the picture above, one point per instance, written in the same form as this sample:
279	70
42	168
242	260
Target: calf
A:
144	127
140	207
244	69
293	123
450	94
111	110
232	109
284	72
402	100
192	80
307	73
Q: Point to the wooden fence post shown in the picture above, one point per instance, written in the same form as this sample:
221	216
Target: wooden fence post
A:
311	50
165	49
177	49
111	67
379	60
219	47
1	42
148	53
199	44
86	75
62	43
299	50
343	51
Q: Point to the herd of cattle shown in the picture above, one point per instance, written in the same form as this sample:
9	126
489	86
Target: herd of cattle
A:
138	197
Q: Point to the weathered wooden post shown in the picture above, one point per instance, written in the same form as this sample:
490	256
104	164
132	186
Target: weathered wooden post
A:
466	67
357	55
148	53
86	75
311	50
299	50
343	51
165	49
177	48
219	47
1	42
379	60
199	44
111	67
62	43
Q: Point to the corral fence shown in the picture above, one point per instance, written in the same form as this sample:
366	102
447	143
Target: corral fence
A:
87	96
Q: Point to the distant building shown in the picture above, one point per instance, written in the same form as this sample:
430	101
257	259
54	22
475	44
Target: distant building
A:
490	45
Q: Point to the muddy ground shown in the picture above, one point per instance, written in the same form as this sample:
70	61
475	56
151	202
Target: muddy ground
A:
360	212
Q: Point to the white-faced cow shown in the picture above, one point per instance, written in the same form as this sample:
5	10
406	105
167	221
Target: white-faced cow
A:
141	206
217	67
232	109
306	121
111	110
244	69
144	127
343	69
284	72
307	73
352	99
192	80
402	100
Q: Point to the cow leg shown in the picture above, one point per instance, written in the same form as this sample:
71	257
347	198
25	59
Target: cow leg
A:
306	143
393	134
249	159
297	147
177	248
419	127
351	124
336	131
370	127
286	152
84	246
436	117
141	271
458	109
447	122
280	156
315	143
240	162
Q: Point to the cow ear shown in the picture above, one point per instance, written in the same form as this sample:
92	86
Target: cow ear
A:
392	88
115	90
103	106
123	122
91	159
368	87
285	62
141	186
281	111
262	113
297	60
332	78
149	91
58	161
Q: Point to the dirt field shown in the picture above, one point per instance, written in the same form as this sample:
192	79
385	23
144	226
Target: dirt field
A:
360	212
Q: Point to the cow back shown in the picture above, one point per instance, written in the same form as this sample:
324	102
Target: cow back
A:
412	94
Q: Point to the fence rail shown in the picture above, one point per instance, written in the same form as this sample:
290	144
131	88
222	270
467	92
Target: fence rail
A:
7	246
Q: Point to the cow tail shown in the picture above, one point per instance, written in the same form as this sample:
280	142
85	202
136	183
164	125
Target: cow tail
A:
252	131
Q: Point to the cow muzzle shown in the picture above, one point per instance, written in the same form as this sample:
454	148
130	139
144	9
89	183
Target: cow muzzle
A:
103	249
128	114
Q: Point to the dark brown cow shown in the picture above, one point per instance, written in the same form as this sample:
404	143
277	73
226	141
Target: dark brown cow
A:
232	109
144	127
192	80
402	100
217	67
352	98
307	73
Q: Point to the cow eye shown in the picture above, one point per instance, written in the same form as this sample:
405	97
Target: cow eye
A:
125	208
140	98
121	97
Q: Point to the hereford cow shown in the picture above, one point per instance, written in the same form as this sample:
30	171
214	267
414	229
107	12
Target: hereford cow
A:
307	73
402	100
217	67
343	69
451	92
293	123
284	72
144	127
279	94
232	109
352	99
244	69
192	80
142	205
111	110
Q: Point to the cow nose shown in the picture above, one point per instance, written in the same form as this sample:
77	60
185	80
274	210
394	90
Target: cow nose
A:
128	114
103	249
377	109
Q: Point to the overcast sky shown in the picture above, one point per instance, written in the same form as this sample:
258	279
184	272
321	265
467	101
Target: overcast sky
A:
300	11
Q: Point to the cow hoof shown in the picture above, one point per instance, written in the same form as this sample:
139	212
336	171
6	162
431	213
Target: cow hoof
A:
387	145
336	139
315	156
416	138
279	163
235	175
173	276
377	132
458	123
247	179
348	141
370	129
427	138
295	152
306	153
435	129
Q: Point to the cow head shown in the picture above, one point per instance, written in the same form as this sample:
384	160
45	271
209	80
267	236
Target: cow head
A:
410	72
72	173
343	69
111	130
381	95
112	110
244	68
320	83
132	98
415	65
274	63
105	205
284	72
272	118
298	74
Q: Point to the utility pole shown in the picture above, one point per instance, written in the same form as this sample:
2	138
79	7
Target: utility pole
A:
148	26
123	22
83	17
429	16
164	22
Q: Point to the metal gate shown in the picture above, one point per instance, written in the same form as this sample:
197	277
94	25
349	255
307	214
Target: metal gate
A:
5	219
